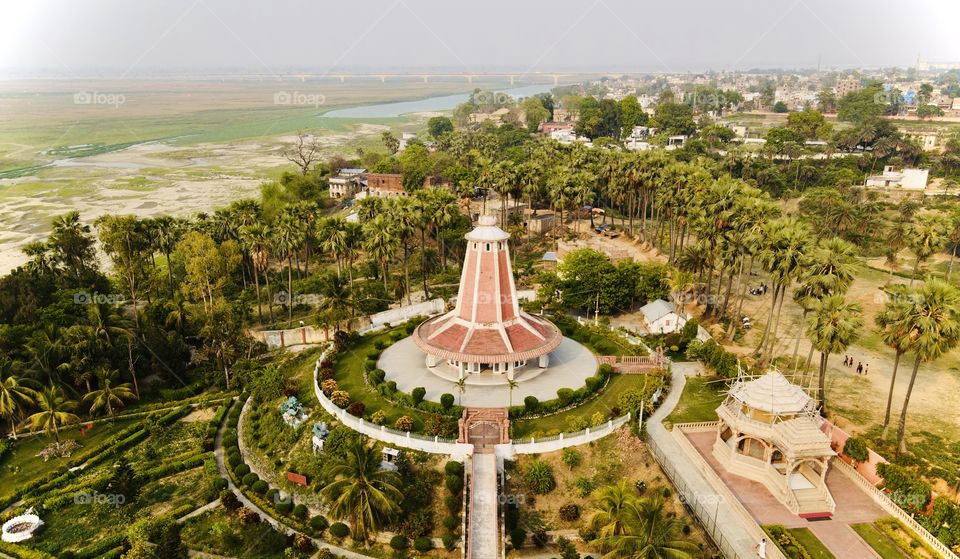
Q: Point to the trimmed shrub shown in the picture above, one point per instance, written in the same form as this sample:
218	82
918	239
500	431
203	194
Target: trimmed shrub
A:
531	403
451	523
339	530
449	541
856	449
404	423
565	396
250	479
340	398
423	544
356	409
391	386
241	470
453	503
271	495
260	487
377	376
605	370
229	500
454	484
378	417
284	507
300	511
219	484
453	468
328	387
418	394
446	400
569	512
318	523
399	542
539	477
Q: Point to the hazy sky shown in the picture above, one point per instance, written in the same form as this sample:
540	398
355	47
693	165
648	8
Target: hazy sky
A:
130	37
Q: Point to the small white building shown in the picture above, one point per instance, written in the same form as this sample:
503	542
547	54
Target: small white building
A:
347	183
907	179
661	317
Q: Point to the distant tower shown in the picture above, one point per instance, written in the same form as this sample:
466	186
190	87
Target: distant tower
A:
487	331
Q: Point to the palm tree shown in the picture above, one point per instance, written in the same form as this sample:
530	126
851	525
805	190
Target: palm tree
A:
285	242
933	325
55	411
380	242
360	491
895	333
254	238
511	384
610	506
167	231
833	325
15	394
926	238
109	396
784	255
462	387
650	533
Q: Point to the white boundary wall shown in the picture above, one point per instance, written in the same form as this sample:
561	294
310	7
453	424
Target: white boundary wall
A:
434	445
563	440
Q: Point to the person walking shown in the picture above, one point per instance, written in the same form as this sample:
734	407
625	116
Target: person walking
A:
761	548
859	367
866	369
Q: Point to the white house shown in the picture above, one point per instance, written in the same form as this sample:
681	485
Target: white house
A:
907	179
660	317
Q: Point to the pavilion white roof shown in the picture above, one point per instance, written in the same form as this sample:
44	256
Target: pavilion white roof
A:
773	394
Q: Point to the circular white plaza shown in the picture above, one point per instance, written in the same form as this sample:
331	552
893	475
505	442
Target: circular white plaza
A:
570	365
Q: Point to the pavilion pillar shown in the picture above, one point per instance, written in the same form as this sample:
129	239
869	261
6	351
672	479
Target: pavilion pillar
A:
544	360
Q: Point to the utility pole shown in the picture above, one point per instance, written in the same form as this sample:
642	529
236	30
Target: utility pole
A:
596	314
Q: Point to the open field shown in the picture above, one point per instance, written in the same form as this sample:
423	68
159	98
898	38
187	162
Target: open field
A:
171	147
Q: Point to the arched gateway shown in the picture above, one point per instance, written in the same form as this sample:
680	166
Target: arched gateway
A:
487	332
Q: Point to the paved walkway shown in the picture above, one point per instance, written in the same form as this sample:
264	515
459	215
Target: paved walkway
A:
853	505
222	469
570	365
197	512
484	532
735	537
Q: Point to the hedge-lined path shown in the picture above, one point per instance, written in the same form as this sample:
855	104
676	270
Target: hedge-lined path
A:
197	512
218	453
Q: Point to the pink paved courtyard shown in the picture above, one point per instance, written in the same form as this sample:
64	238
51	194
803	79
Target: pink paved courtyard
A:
853	505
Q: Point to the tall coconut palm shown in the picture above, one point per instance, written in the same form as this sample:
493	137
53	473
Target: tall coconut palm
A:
933	323
380	241
254	239
785	254
109	396
651	533
360	491
55	411
896	334
167	231
16	394
833	325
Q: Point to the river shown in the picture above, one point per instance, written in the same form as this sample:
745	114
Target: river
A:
430	104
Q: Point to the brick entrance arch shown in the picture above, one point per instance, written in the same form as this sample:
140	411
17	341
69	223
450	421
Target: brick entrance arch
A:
484	428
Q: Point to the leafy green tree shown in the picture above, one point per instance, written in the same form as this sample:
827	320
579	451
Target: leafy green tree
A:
390	142
439	125
674	118
124	240
862	106
810	124
534	113
928	235
827	101
780	107
631	114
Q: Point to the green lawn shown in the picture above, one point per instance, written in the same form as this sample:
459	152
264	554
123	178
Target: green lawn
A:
880	543
220	533
814	547
24	464
348	372
560	422
699	401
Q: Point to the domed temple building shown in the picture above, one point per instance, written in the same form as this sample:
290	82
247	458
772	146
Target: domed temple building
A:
769	431
487	332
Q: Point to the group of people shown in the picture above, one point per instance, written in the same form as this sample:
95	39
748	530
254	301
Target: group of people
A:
762	290
861	368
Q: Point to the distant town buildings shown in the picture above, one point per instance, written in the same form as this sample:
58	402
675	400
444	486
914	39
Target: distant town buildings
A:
847	85
347	183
